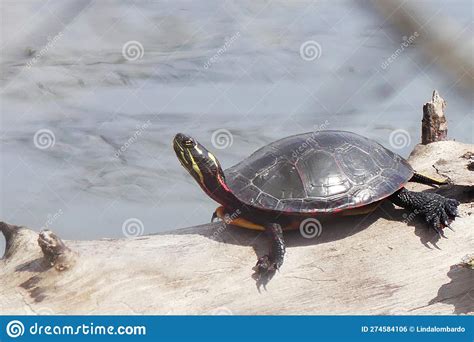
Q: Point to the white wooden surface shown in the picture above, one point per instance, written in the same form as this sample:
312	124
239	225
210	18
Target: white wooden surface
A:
372	264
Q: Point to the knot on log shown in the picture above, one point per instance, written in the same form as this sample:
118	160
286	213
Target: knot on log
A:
434	126
55	250
20	242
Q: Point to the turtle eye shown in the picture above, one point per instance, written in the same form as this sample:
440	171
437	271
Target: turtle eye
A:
188	143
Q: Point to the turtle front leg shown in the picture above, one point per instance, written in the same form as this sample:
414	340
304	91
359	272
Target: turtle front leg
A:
438	211
271	262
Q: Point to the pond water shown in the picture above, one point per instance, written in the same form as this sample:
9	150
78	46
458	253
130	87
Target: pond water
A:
238	67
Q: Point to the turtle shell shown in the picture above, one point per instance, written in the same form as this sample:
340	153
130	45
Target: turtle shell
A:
324	171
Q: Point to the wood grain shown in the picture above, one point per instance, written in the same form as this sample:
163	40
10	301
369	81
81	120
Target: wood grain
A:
370	264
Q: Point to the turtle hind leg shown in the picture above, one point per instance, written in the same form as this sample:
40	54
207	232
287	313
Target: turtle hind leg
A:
422	179
437	210
268	264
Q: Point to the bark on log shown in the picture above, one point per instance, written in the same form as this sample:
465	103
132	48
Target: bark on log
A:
434	126
371	264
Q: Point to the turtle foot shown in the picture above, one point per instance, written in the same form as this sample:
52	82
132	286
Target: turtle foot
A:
268	264
265	269
265	265
439	212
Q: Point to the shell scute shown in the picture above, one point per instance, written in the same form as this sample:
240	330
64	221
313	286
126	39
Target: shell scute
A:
318	172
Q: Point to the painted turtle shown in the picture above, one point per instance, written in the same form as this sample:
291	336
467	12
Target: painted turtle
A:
309	175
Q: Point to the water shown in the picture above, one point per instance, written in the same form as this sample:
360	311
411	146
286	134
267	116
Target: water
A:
94	100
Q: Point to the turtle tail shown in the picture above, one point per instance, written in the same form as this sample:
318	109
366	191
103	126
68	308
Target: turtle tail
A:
419	178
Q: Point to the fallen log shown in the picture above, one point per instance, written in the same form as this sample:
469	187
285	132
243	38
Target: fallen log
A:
386	262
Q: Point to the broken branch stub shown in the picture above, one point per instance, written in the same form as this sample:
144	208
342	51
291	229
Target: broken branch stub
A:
434	126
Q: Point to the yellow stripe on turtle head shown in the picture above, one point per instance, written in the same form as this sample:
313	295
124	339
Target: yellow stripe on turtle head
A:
211	156
182	156
196	168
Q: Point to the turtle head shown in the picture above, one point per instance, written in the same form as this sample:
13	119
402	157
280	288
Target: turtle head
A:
199	162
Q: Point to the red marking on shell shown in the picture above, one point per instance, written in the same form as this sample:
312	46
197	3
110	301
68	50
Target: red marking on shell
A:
222	183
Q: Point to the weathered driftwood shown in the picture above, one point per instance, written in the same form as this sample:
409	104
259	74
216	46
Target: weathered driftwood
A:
372	264
434	126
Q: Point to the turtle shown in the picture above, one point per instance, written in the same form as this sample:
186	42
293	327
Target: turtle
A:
307	176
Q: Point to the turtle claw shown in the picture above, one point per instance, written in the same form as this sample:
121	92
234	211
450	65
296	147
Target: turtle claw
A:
214	216
449	227
440	232
265	265
265	269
